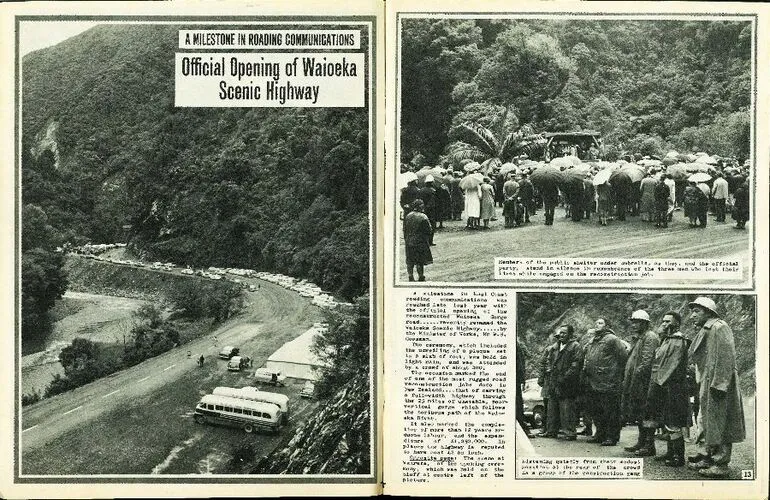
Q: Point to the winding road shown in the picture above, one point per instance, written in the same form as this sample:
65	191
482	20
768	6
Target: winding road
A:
164	389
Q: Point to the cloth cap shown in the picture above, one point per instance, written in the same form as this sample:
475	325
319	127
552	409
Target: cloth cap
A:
705	303
640	314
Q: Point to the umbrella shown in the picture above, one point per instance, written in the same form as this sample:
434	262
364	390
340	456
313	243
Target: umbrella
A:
565	161
710	160
438	174
699	177
619	178
507	167
583	168
696	167
471	166
603	176
471	181
650	163
672	154
546	176
634	172
572	176
677	172
670	160
406	178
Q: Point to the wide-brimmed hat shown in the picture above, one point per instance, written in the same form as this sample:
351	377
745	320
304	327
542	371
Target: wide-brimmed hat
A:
705	303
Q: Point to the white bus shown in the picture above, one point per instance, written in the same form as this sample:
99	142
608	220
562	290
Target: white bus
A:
237	412
254	394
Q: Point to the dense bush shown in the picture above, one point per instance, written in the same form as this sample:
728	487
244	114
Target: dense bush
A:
218	301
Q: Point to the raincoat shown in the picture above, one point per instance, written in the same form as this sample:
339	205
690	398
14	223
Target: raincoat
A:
721	407
605	357
637	375
668	401
565	375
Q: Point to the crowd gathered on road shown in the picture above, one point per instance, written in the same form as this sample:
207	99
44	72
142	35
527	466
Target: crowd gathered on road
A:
660	380
649	188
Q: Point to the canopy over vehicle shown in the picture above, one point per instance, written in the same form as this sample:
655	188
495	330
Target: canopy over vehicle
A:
559	143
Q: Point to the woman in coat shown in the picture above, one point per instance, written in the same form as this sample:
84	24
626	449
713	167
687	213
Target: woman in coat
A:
692	201
647	200
487	201
473	206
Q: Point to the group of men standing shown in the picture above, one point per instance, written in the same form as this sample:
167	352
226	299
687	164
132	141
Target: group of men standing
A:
645	381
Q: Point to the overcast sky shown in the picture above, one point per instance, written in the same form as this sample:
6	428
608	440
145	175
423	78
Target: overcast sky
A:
34	35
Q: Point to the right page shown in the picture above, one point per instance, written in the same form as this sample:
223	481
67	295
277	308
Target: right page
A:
576	250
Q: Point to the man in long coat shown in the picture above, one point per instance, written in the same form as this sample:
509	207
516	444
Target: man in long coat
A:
408	194
550	423
550	194
668	401
603	365
721	407
417	235
527	195
636	381
428	197
565	381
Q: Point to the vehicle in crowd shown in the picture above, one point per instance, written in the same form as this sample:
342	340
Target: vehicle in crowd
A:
237	363
237	412
254	394
534	407
268	376
308	390
228	352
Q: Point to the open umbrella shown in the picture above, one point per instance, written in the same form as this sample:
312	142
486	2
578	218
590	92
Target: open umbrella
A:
573	176
546	176
603	176
678	172
471	181
583	168
672	154
699	177
505	168
696	167
406	178
471	166
650	163
634	172
565	161
710	160
620	178
670	160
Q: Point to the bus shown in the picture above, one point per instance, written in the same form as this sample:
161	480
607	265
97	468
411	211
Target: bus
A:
254	394
237	412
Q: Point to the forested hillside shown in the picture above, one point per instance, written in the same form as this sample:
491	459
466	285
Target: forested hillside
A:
647	86
108	158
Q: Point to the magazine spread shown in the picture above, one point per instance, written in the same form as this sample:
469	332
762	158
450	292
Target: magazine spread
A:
385	248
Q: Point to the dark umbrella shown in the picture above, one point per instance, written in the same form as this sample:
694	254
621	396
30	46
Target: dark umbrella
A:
546	176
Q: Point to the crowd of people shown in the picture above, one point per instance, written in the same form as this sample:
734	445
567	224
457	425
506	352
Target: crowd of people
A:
659	380
654	198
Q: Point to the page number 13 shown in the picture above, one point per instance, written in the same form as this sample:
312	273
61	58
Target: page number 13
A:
747	474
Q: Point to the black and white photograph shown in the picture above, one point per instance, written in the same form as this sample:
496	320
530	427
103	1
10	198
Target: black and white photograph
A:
609	137
666	378
195	280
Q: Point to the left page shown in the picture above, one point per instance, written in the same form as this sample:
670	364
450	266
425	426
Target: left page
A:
190	199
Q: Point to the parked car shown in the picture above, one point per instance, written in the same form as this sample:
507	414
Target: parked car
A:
534	408
237	363
228	352
267	376
308	390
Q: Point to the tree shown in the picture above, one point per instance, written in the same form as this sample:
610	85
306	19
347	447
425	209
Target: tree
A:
526	70
478	143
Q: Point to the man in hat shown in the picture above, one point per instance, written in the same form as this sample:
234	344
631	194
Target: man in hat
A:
721	407
408	194
668	401
636	380
565	381
417	234
605	357
527	195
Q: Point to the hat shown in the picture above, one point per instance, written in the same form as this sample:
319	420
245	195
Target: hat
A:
705	303
640	314
429	178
